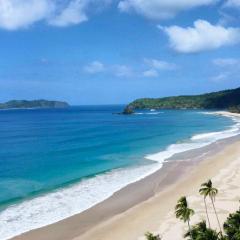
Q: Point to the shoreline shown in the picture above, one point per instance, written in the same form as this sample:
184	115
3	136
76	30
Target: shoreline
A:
120	202
157	213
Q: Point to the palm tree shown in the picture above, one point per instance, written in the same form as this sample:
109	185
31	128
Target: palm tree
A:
201	232
207	190
183	212
205	204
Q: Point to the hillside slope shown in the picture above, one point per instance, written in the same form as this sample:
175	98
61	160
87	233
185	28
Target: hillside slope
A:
216	100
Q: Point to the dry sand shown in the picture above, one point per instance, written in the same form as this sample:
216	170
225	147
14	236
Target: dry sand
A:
148	205
157	213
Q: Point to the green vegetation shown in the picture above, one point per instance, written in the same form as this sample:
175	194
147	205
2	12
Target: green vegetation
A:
33	104
216	100
184	213
201	231
150	236
207	190
232	226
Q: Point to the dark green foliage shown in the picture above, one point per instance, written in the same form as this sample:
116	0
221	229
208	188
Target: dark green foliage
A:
150	236
33	104
201	232
182	211
232	226
207	189
216	100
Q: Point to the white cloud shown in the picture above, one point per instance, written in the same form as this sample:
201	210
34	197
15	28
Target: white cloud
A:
226	62
74	13
116	70
151	68
122	71
202	36
221	77
159	64
151	73
160	9
94	67
156	65
16	14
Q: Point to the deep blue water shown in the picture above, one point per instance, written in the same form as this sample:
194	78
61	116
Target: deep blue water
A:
48	148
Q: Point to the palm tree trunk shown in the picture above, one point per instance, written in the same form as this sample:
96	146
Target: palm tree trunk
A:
216	216
207	212
190	230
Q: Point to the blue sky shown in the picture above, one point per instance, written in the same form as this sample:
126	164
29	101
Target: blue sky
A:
113	51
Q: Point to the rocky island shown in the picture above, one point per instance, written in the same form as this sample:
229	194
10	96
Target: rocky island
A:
128	110
18	104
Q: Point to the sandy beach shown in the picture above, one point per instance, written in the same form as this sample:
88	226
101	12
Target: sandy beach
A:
148	204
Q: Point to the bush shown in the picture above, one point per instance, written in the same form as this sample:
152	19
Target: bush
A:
150	236
232	226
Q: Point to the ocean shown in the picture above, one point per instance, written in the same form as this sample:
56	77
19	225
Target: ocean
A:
55	163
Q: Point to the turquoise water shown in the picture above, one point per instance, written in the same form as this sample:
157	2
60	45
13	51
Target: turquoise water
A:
48	151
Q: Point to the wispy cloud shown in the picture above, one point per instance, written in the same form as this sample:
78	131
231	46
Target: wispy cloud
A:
161	9
148	68
94	67
117	70
74	13
226	62
227	69
160	64
17	14
122	71
151	73
220	77
202	36
155	66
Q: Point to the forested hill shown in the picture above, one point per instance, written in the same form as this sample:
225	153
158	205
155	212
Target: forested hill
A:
215	100
33	104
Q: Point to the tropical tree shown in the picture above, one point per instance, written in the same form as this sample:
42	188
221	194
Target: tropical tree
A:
183	212
200	231
207	190
205	204
232	226
150	236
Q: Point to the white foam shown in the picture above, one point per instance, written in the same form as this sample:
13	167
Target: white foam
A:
58	205
197	141
148	113
66	202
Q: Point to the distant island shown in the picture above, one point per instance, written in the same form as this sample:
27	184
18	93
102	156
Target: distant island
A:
33	104
228	99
